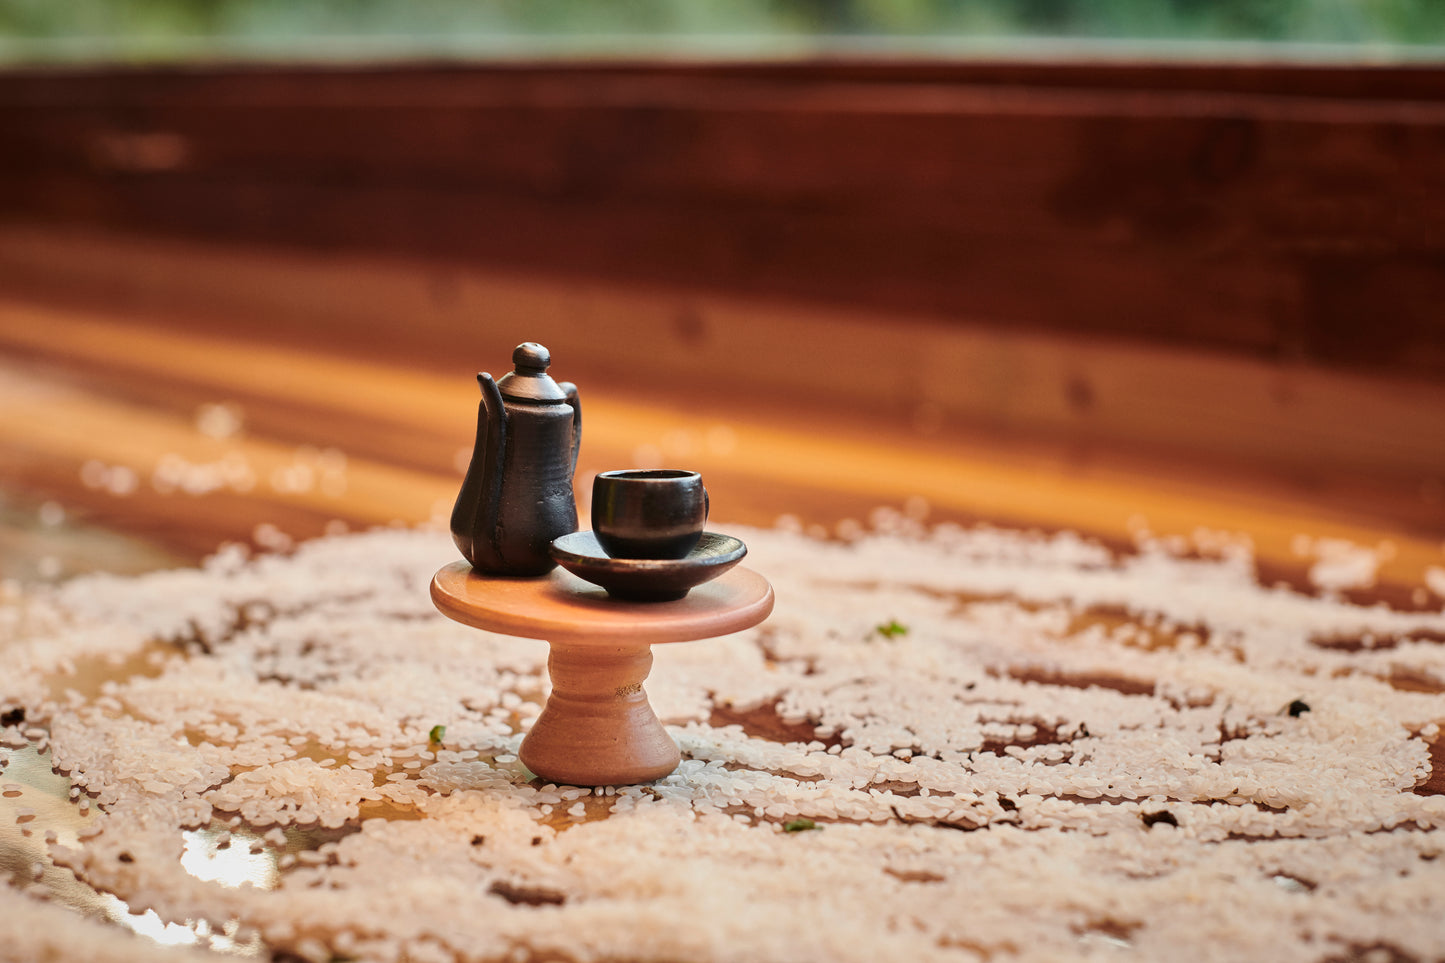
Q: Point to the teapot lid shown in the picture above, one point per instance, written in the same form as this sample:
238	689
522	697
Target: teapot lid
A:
529	381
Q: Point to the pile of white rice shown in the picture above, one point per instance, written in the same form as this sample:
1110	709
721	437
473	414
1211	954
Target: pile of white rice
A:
1010	747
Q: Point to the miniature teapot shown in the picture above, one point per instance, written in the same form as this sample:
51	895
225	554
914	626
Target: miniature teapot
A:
517	495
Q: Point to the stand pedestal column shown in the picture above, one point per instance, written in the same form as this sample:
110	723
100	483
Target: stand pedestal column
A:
598	728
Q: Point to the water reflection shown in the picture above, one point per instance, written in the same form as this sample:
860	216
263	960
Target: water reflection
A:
24	844
230	857
197	933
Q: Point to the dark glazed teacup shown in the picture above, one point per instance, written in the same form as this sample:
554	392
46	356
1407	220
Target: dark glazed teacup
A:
648	513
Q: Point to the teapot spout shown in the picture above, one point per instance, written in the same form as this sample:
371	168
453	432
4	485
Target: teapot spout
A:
476	514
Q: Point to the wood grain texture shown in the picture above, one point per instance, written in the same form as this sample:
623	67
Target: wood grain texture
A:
326	437
377	357
1068	296
1258	211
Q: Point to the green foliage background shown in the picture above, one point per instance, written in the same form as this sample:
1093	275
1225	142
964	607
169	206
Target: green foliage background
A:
156	28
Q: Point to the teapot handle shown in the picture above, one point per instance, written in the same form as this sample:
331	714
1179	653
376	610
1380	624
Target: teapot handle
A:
576	404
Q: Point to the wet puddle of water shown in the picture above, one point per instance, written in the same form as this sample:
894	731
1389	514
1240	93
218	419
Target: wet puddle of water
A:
36	810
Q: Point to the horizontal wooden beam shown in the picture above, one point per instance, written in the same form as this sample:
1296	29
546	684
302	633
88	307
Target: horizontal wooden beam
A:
98	411
1287	214
1361	445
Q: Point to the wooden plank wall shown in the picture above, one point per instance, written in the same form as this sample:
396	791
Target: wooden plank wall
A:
1291	214
1225	276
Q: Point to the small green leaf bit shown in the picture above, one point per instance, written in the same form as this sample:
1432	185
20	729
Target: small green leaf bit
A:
799	825
891	629
437	734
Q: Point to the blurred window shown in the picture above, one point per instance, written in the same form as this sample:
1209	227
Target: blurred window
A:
161	30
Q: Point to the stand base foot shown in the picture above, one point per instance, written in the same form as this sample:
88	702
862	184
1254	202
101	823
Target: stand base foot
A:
598	728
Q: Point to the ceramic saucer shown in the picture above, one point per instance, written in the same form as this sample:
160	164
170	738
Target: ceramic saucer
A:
647	579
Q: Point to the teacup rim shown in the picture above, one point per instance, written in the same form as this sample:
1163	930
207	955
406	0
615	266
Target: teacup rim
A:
649	474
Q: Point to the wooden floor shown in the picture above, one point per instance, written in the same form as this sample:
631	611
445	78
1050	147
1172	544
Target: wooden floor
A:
126	444
133	439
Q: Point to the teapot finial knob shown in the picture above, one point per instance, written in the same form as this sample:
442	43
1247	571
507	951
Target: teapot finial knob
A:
529	357
530	382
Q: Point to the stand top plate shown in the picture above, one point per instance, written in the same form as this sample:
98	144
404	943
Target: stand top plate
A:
560	607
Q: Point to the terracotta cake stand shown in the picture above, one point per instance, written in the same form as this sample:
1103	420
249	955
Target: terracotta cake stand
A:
597	728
